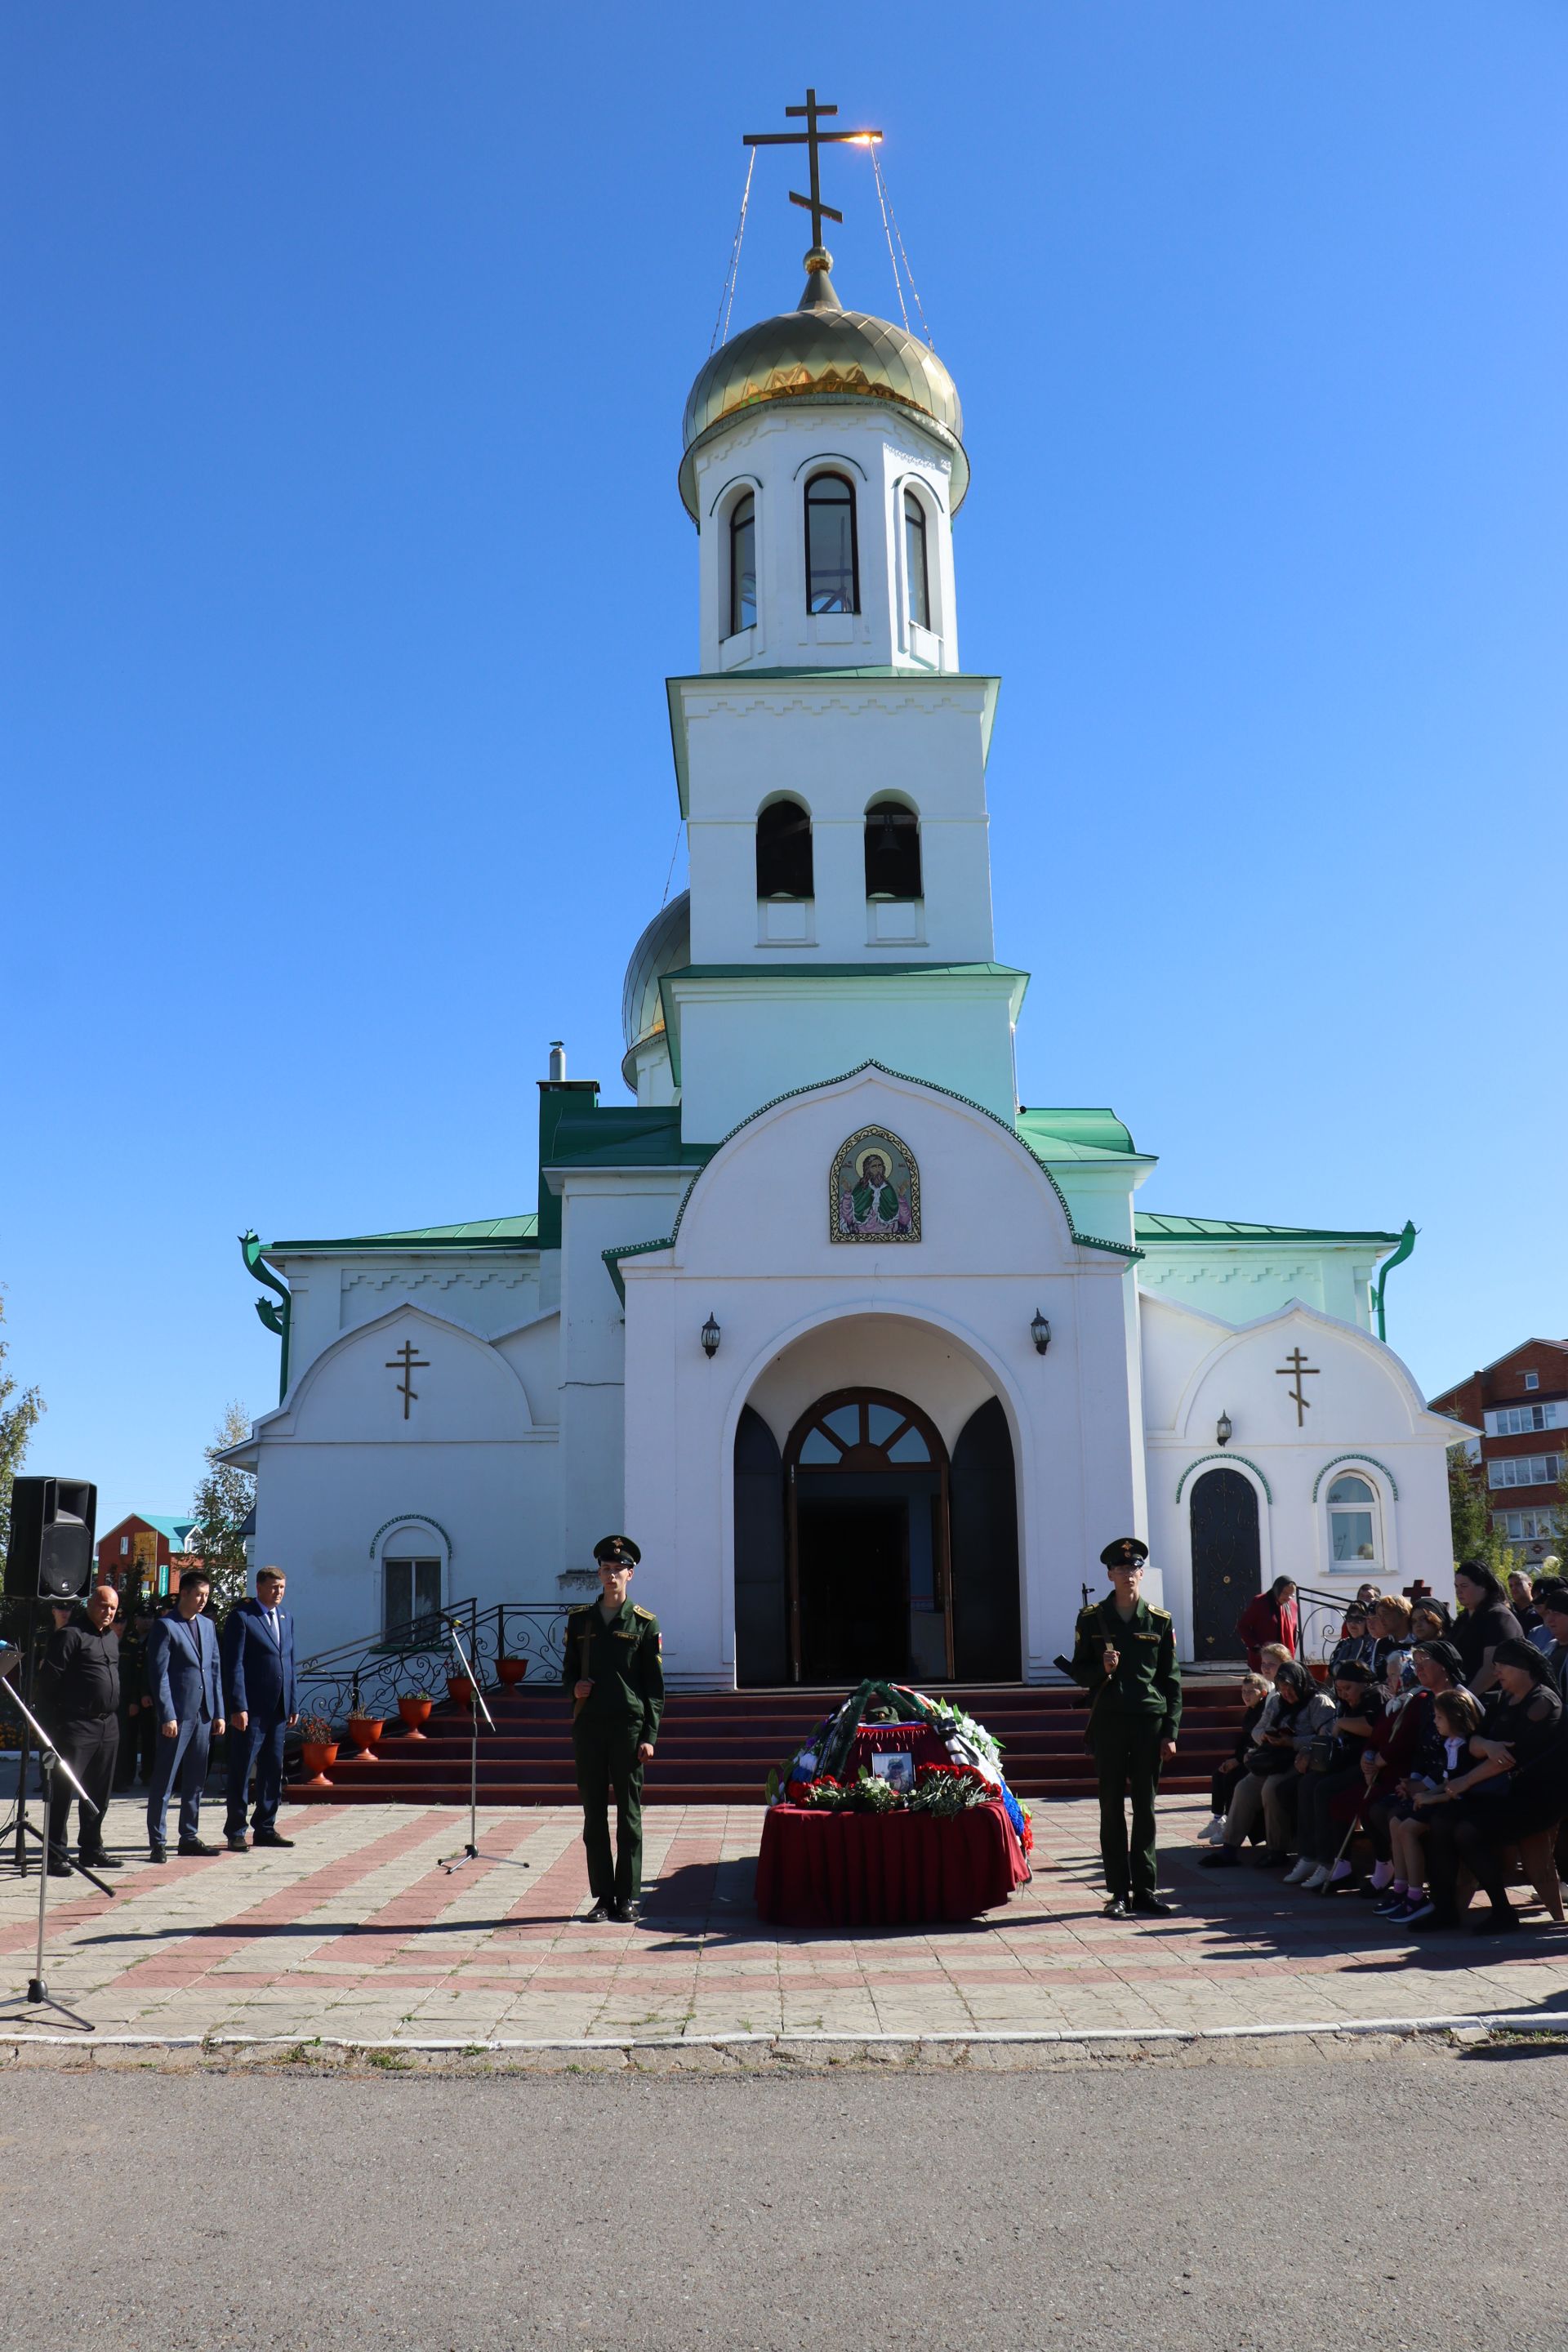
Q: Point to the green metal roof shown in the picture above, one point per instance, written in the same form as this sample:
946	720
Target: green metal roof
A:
626	1135
1076	1134
1154	1229
480	1233
175	1529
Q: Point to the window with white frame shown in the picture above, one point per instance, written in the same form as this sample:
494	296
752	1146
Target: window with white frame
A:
1354	1530
1519	1419
1524	1470
915	560
410	1591
1532	1380
743	564
1525	1527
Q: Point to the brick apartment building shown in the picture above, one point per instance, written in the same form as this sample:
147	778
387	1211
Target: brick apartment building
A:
1520	1405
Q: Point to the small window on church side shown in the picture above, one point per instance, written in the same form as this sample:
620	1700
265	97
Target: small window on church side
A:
784	850
1352	1524
410	1592
915	560
743	564
892	851
832	579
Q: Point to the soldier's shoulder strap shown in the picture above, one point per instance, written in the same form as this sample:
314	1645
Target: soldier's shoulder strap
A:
577	1621
1161	1616
645	1614
1091	1611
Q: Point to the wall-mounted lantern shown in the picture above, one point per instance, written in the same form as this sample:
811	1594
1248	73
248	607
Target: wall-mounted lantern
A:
1040	1333
711	1338
1222	1429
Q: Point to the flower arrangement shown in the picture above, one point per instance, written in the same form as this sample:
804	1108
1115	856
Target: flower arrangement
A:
315	1731
816	1776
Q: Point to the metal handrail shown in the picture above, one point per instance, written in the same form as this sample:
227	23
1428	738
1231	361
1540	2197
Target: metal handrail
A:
367	1677
1324	1612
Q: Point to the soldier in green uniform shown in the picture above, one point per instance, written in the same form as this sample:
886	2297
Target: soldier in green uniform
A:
613	1670
1125	1657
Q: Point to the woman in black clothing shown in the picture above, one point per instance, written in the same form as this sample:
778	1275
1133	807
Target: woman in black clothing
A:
1407	1742
1485	1619
1525	1745
1222	1783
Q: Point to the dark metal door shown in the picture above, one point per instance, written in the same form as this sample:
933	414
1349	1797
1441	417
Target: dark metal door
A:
1226	1568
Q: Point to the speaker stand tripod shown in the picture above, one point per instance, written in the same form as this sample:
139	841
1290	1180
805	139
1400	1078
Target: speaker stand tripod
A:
39	1995
477	1702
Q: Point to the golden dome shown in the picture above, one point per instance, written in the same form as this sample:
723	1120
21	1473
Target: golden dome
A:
822	352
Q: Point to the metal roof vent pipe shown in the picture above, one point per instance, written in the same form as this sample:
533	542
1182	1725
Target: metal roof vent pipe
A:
557	1063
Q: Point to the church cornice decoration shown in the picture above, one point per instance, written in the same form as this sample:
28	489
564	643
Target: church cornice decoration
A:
1369	1459
1247	1461
410	1519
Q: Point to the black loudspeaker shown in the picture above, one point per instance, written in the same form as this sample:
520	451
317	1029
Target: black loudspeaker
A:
52	1523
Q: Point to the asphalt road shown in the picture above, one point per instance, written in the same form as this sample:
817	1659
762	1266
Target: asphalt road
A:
1407	2202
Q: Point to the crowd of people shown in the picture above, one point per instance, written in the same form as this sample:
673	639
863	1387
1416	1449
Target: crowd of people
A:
1410	1776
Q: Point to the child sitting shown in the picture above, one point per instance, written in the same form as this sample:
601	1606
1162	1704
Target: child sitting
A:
1456	1714
1222	1786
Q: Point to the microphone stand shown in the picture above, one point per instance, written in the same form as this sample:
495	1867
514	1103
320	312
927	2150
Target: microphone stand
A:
478	1701
51	1762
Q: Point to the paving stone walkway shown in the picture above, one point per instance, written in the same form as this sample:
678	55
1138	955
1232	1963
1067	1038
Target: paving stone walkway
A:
357	1933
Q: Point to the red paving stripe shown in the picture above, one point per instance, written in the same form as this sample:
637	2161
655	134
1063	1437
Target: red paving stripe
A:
283	1908
392	1928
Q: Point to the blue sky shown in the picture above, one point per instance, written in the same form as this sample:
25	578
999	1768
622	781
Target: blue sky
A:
347	352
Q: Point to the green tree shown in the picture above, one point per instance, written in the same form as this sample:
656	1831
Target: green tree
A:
20	1411
220	1506
1470	1518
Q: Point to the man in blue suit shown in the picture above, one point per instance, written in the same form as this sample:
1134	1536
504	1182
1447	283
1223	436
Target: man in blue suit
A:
184	1683
259	1687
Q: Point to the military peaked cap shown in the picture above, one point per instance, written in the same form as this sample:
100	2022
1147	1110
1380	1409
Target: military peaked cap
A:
1125	1552
618	1550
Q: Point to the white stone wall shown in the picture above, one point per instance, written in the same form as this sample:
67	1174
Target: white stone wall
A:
945	1321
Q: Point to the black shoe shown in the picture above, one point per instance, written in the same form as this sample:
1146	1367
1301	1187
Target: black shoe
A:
1118	1907
238	1842
1220	1857
1151	1907
156	1850
625	1914
269	1837
1273	1858
101	1862
1506	1922
197	1845
58	1868
598	1915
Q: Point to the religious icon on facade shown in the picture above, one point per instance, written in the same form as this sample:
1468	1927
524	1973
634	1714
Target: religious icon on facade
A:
874	1193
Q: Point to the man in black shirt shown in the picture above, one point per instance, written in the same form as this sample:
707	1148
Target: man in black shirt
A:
79	1702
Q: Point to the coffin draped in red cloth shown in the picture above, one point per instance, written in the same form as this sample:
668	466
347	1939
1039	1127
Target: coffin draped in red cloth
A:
884	1870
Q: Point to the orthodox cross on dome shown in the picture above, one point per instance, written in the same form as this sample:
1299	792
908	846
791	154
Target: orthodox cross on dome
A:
1297	1362
812	139
405	1362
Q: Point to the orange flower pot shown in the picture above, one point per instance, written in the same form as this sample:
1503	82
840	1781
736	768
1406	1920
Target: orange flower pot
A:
317	1755
415	1714
459	1689
364	1730
512	1670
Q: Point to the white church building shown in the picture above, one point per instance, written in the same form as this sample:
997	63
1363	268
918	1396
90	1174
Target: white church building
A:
870	1359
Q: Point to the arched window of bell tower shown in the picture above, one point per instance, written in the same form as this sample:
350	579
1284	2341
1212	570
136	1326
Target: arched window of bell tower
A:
742	585
832	565
892	850
916	566
784	850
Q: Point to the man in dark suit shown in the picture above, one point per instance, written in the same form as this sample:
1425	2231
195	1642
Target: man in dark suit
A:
259	1688
184	1684
78	1695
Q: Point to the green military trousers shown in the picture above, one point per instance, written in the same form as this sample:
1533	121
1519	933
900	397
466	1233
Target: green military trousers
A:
606	1753
1126	1758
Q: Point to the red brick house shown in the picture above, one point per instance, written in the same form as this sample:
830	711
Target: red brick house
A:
1520	1405
148	1549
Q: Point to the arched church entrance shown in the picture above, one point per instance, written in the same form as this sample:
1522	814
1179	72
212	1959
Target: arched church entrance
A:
865	1549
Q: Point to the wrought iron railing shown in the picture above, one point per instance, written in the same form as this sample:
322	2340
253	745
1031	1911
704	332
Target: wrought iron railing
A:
368	1677
1323	1620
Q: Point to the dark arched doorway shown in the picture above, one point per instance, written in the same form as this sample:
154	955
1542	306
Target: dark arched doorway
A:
866	1502
761	1594
1226	1560
982	1512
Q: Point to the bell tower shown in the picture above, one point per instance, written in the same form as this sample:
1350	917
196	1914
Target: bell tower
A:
829	750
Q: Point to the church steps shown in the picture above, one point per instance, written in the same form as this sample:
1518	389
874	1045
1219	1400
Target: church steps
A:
716	1747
